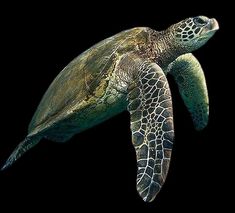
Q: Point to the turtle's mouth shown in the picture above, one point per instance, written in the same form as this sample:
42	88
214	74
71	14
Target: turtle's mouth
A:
212	25
209	29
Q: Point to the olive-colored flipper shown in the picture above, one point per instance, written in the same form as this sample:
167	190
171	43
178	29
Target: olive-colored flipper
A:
150	107
190	78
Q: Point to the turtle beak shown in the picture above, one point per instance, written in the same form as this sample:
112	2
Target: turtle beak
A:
210	29
213	25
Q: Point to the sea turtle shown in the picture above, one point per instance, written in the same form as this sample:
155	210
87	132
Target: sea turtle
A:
128	72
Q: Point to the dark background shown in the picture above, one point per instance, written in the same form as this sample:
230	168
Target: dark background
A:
97	169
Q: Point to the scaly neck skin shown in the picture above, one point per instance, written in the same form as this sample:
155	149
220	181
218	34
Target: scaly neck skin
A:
165	48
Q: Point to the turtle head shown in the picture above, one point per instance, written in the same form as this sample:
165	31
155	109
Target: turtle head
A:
192	33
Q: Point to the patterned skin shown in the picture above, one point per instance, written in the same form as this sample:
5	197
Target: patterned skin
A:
128	72
152	129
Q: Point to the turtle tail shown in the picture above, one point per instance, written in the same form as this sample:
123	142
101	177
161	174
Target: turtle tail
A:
23	147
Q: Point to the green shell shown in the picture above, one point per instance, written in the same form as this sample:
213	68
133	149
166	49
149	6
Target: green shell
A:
84	80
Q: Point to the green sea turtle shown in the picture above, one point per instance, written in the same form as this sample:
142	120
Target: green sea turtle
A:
128	72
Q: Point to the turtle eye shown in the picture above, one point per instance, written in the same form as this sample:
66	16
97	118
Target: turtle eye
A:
200	21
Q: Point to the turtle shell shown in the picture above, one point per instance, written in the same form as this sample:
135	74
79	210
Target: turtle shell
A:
82	81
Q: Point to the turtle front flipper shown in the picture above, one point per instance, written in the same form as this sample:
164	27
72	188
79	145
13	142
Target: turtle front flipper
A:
190	78
150	107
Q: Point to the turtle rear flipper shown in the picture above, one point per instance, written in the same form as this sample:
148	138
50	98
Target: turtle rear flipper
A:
23	147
